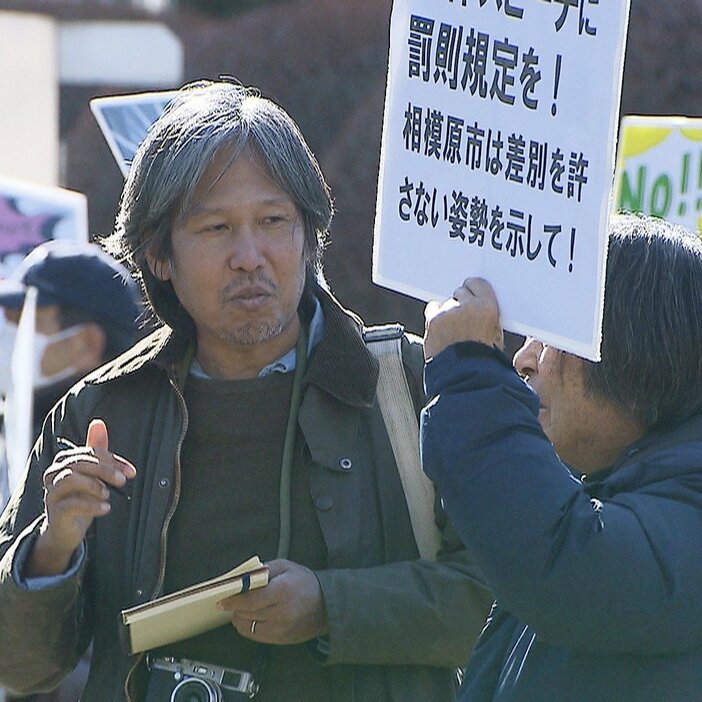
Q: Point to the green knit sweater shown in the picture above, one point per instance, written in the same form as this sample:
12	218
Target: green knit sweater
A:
229	511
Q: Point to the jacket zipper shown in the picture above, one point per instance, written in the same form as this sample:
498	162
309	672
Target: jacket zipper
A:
166	522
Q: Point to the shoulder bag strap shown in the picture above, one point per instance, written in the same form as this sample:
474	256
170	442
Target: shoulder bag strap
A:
400	418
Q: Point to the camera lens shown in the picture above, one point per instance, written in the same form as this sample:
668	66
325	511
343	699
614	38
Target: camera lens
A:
195	690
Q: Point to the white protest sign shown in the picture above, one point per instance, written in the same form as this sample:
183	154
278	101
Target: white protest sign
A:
498	157
659	169
125	119
32	214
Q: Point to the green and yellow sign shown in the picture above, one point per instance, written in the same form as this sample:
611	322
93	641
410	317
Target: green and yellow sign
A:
659	168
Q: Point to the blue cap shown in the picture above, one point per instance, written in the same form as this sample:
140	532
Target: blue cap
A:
79	275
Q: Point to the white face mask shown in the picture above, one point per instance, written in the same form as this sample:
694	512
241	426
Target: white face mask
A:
8	336
41	341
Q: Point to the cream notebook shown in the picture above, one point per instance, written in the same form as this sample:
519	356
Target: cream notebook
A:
188	612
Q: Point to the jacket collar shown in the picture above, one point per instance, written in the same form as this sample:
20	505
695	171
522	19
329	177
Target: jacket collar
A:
162	347
635	455
341	365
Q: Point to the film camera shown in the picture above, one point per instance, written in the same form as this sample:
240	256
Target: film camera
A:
173	680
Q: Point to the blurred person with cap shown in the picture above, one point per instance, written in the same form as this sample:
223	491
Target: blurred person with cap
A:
86	314
87	311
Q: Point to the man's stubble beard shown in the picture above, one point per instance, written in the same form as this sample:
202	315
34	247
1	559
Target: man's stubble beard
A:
261	331
252	333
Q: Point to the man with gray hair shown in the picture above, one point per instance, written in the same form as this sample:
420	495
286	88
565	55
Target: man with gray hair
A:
248	423
580	490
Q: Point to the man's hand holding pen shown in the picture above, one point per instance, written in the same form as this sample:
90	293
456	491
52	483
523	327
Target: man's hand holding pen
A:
77	487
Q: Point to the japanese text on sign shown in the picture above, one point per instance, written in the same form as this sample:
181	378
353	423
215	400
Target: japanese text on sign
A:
498	156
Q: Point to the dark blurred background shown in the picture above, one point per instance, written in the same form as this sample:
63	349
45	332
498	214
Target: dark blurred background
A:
325	61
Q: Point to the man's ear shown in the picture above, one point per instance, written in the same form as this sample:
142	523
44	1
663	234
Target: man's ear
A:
89	347
161	269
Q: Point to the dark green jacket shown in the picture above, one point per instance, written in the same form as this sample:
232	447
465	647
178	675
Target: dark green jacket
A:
408	620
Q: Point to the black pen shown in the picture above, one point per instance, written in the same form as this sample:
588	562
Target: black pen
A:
67	443
119	491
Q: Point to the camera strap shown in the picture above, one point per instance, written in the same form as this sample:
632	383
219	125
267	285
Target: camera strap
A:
289	445
262	652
